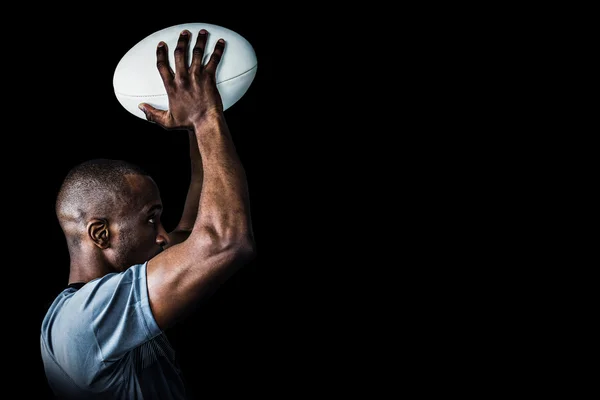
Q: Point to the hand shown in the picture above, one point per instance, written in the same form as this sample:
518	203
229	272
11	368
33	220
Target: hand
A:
192	90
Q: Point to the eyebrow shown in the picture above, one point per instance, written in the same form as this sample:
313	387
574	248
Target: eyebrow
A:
155	207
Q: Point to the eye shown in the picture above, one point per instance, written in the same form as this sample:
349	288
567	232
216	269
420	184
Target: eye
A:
152	220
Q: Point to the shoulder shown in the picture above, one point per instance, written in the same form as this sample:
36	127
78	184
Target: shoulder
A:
111	313
104	289
96	292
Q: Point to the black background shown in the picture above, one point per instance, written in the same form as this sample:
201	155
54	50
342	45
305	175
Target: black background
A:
347	135
241	340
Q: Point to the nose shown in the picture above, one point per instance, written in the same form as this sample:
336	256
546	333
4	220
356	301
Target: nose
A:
162	238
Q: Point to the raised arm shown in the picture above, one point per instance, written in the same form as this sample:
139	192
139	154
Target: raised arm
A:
190	209
221	237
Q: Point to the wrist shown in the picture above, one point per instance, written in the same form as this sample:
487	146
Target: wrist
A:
210	118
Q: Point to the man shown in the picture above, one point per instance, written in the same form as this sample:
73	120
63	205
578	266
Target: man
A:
130	280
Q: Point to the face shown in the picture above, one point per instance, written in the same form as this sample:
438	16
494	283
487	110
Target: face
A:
139	234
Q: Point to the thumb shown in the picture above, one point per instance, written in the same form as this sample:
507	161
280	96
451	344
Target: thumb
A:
152	114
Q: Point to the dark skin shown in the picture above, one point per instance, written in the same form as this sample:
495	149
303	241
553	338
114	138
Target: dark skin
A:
206	247
129	234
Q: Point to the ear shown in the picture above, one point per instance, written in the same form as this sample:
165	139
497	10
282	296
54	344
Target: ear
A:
97	230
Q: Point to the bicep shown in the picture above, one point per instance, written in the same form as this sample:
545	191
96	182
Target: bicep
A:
185	273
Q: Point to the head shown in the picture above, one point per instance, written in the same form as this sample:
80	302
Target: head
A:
109	211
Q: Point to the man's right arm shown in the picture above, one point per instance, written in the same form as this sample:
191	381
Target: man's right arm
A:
221	240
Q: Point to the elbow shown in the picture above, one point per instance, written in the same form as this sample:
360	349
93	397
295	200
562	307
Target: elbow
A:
239	244
239	251
244	248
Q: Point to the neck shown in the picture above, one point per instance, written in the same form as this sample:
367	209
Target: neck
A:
87	267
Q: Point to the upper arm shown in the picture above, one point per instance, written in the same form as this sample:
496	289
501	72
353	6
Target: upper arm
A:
185	272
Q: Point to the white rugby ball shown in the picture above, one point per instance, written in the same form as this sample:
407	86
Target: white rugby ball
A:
137	80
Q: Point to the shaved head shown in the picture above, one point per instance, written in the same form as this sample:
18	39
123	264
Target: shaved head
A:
109	211
96	188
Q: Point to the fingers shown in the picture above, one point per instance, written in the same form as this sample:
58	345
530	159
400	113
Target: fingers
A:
211	65
153	114
181	53
198	52
162	63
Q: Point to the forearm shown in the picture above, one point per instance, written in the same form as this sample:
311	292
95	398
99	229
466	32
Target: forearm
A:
190	209
223	203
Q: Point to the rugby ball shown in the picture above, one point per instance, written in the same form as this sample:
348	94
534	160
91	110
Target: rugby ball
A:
136	78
